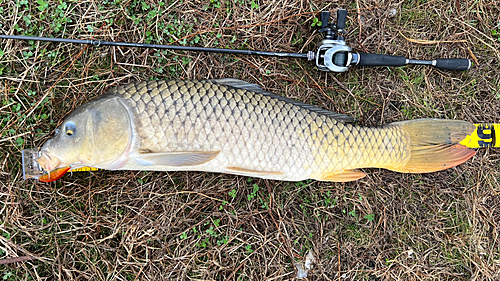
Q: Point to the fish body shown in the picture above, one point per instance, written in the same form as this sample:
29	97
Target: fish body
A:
231	126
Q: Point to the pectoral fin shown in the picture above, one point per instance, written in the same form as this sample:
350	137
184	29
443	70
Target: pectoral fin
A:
347	175
177	158
252	173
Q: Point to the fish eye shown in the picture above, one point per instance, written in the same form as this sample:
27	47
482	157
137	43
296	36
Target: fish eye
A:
70	129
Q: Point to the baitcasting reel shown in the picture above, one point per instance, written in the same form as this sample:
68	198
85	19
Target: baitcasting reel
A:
334	55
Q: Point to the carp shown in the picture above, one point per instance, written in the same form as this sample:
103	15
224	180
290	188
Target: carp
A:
232	126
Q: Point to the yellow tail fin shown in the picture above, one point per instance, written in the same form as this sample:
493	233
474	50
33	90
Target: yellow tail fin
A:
435	144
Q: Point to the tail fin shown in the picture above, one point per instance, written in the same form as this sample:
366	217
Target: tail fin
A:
434	144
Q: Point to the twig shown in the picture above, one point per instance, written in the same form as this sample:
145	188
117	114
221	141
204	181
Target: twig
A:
359	20
473	56
17	259
16	136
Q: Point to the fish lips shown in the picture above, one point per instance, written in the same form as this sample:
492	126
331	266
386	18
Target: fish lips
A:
48	162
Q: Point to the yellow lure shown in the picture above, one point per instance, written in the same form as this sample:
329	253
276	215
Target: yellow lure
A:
84	169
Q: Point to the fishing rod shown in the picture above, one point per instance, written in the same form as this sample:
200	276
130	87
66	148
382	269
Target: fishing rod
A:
332	54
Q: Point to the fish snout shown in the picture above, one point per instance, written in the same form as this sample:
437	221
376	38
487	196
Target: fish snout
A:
47	162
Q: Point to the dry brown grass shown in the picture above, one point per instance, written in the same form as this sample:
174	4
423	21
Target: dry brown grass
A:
198	226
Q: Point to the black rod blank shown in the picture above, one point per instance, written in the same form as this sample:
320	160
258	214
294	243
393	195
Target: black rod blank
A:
155	46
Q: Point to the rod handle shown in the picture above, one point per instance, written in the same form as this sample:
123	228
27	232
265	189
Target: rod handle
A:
453	64
366	59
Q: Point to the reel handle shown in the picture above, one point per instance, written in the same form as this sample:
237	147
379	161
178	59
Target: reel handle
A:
341	17
324	17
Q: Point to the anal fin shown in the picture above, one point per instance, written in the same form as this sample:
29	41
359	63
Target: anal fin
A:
347	175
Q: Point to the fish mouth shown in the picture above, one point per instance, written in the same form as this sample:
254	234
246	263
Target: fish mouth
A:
52	165
47	162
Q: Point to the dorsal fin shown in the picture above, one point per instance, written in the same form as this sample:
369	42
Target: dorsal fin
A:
240	84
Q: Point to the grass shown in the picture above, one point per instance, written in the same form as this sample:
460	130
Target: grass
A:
199	226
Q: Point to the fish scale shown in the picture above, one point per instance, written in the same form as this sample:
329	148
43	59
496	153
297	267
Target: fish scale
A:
231	126
276	129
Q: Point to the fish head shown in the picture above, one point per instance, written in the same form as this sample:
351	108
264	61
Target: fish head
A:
97	134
